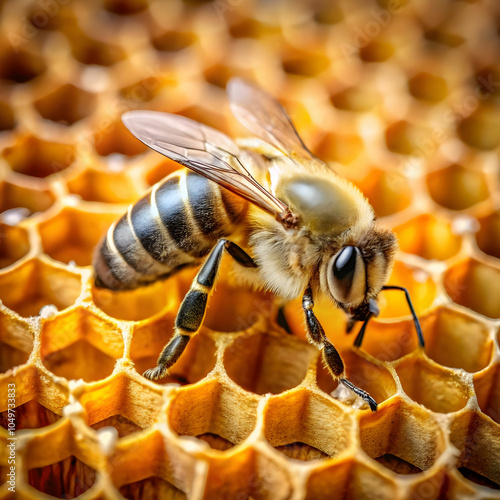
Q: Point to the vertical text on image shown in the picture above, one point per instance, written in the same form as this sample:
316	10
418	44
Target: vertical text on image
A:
11	439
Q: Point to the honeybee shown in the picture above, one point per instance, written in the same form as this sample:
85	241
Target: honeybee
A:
291	225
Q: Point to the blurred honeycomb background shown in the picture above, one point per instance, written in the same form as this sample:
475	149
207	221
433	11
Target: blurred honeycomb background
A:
404	97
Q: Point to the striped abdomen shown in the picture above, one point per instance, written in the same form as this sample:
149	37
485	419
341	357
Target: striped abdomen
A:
175	225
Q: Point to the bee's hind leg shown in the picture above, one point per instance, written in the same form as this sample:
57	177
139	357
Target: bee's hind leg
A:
192	310
331	356
170	354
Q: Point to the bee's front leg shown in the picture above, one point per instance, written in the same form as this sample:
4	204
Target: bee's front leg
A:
192	310
331	356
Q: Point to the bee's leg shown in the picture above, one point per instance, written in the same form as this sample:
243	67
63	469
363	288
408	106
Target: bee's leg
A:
331	356
193	307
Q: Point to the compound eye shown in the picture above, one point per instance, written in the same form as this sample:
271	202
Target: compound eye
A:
345	265
347	278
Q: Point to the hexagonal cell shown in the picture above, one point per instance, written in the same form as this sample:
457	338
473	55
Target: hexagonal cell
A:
429	237
356	99
329	480
195	363
457	340
50	19
79	344
444	37
68	478
474	285
122	403
136	305
89	50
349	479
428	87
211	407
117	139
151	487
376	51
340	148
174	41
487	387
249	27
477	439
30	415
403	438
7	118
66	104
273	363
374	379
15	244
15	196
305	63
156	475
36	157
388	192
125	7
457	188
247	473
73	234
481	129
104	186
291	425
488	236
34	284
439	389
144	90
327	13
18	65
405	138
218	75
161	170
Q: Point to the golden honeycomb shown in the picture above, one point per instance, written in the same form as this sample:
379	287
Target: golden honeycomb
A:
403	97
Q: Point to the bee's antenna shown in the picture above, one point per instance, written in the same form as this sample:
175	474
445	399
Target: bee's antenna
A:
361	333
410	305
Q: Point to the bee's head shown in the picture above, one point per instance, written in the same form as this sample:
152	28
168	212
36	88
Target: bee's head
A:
358	271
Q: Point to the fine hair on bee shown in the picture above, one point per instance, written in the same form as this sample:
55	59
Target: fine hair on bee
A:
288	221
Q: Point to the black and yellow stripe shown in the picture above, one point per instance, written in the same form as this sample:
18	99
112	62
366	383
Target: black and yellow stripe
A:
176	224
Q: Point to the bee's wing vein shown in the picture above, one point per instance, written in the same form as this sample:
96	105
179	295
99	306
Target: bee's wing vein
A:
190	144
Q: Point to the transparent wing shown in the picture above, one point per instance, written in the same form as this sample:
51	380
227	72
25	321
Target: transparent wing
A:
265	117
204	150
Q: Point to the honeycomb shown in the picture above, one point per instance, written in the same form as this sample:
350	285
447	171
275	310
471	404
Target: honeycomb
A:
403	97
